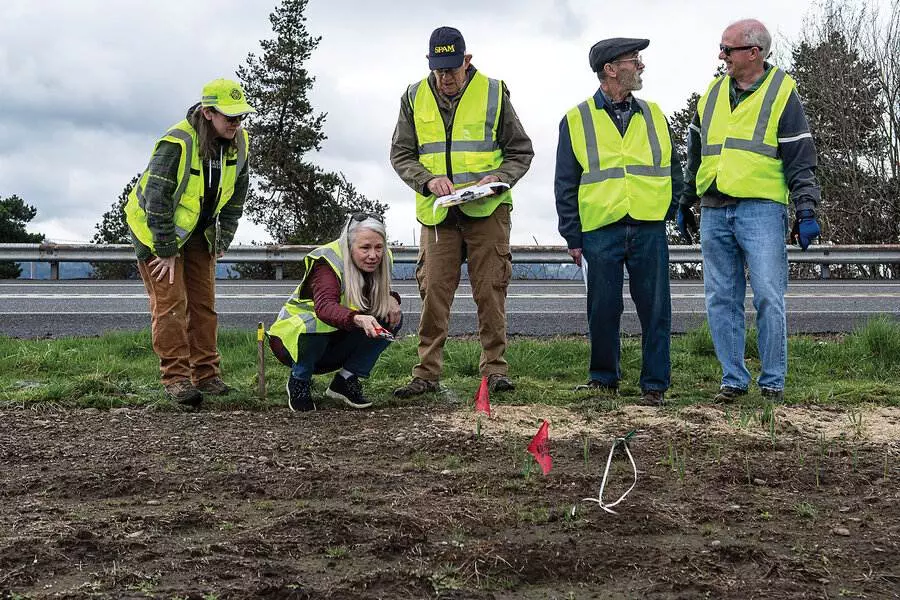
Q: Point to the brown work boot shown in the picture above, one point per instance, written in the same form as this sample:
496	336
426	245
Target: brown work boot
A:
417	387
652	398
183	392
497	382
214	386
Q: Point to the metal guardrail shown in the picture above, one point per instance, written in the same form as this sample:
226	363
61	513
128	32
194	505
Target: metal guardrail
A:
280	255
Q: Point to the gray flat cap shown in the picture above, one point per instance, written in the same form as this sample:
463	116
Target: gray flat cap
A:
606	51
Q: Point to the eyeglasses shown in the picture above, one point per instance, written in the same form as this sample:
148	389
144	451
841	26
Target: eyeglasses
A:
637	59
727	50
447	72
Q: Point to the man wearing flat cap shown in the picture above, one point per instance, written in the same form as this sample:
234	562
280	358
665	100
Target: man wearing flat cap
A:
618	178
457	128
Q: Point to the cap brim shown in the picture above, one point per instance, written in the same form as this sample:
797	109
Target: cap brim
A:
445	62
235	110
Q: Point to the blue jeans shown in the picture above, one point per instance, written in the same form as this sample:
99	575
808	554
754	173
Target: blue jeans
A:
643	250
326	352
750	233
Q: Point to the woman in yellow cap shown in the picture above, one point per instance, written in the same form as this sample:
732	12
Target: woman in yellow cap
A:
183	214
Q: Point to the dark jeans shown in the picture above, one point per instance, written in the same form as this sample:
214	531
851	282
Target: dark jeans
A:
327	352
642	249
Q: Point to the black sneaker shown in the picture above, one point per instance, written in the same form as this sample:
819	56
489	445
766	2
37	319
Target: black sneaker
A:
349	390
299	395
728	393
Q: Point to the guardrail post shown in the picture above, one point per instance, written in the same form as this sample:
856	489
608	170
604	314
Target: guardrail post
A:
279	271
826	271
54	269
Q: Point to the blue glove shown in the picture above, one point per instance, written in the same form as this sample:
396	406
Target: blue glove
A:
805	228
686	223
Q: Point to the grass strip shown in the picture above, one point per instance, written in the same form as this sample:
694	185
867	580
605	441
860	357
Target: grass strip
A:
120	369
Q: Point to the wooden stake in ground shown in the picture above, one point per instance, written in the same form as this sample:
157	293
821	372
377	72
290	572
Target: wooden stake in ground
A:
261	362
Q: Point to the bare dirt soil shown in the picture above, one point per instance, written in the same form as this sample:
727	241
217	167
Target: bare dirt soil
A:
412	503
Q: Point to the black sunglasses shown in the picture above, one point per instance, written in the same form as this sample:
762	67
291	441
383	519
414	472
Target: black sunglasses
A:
359	217
234	119
727	50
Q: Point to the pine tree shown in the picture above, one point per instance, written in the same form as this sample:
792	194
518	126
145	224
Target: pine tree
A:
14	214
296	201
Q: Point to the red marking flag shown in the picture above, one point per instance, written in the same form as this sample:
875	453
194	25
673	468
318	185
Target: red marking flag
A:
483	398
540	447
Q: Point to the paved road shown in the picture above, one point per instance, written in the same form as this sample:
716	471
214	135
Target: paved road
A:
540	308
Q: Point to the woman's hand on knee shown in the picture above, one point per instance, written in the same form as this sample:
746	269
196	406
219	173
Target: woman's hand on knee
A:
368	324
394	313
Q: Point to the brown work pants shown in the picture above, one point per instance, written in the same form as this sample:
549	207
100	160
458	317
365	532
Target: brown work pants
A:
484	244
183	319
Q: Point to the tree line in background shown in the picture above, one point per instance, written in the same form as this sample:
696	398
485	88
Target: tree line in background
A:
846	63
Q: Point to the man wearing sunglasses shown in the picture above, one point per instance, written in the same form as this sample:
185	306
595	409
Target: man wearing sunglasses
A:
750	151
457	128
617	179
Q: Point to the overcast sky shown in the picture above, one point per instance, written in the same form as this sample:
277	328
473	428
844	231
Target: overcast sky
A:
89	85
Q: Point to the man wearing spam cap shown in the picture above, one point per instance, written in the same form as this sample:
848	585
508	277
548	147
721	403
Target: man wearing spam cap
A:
183	214
457	128
618	178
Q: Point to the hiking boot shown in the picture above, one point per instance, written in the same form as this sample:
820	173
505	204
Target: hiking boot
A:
349	390
599	387
729	393
299	395
652	398
417	387
183	392
214	386
772	394
497	382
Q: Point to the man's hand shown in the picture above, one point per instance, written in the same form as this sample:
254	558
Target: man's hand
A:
394	313
489	179
575	253
686	223
805	228
161	266
440	186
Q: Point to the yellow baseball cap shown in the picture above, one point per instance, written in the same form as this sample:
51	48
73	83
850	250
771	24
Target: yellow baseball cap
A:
227	97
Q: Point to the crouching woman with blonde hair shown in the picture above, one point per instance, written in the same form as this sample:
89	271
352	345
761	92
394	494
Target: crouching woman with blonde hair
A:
341	317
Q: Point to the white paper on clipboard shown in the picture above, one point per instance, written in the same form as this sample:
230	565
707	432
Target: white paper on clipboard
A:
474	192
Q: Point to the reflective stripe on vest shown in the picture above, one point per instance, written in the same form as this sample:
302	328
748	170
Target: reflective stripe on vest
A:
621	175
472	152
188	195
739	148
298	315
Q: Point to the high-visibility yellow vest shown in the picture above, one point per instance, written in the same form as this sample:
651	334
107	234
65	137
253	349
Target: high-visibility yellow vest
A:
739	148
472	148
621	175
188	197
298	315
